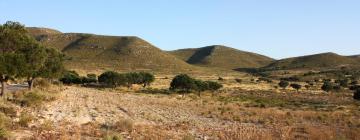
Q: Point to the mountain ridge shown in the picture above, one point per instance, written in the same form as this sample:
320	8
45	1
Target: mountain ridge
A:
222	57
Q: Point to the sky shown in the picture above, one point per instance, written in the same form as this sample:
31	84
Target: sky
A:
276	28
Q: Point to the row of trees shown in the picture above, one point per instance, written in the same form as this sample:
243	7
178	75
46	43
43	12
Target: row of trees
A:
22	57
186	84
72	77
114	79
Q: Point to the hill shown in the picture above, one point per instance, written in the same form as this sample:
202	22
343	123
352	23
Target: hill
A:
323	60
221	57
356	57
36	31
96	52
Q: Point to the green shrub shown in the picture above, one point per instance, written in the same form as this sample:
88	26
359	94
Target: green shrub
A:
213	85
327	86
25	119
357	94
185	83
283	84
32	99
8	110
112	79
71	77
182	82
296	86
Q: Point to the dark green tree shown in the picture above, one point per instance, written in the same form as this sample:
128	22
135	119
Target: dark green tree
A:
200	86
283	84
327	86
296	86
357	94
182	82
113	79
13	36
146	78
71	77
213	85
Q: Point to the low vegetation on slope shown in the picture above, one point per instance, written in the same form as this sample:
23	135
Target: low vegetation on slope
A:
222	57
126	53
324	60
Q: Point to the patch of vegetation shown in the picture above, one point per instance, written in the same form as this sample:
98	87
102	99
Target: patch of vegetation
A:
185	84
357	94
25	119
72	77
283	84
33	98
114	79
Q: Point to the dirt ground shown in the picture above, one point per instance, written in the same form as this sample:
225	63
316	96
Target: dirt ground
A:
243	111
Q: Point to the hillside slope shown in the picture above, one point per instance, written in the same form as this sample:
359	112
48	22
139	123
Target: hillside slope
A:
122	53
221	57
323	60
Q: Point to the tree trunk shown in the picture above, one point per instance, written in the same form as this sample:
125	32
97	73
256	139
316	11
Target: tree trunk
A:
2	88
31	83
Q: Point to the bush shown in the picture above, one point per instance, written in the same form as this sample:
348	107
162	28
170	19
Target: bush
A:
25	119
327	86
265	79
30	99
213	85
283	84
185	84
142	78
343	83
296	86
71	77
357	94
293	79
182	82
90	78
354	87
112	79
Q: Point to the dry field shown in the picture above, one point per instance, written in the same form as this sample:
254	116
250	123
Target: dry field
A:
248	110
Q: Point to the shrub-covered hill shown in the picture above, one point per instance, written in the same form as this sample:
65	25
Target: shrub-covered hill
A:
97	52
222	57
316	61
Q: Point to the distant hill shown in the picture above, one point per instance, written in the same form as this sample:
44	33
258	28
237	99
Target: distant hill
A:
221	57
97	52
356	57
323	60
36	31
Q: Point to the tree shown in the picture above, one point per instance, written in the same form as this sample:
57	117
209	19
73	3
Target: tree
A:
71	77
146	78
357	94
182	82
327	86
343	83
13	36
90	78
213	85
34	60
283	84
201	86
112	79
40	62
296	86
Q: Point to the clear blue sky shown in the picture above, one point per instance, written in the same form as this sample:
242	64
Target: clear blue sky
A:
277	28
